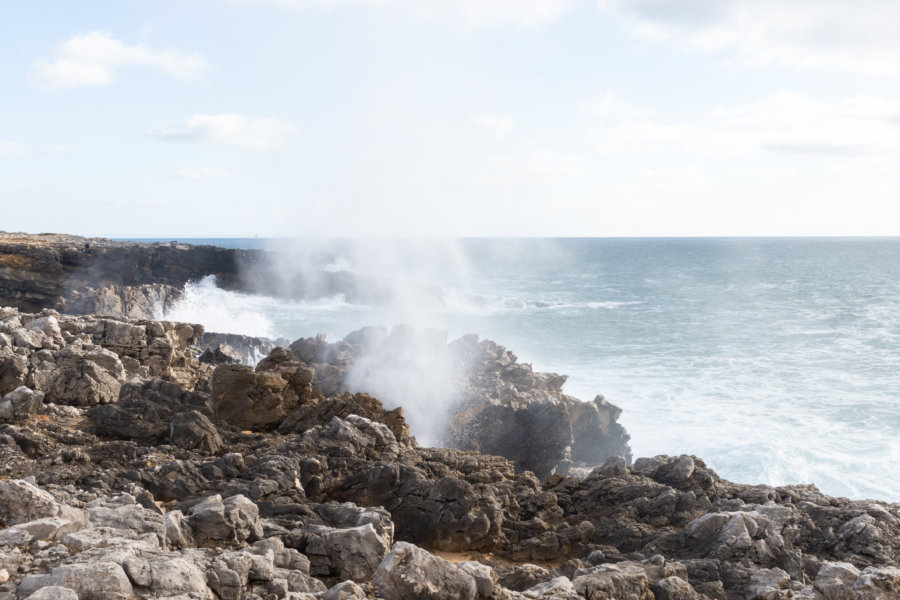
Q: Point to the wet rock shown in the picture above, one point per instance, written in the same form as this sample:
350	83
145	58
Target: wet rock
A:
224	348
506	408
223	354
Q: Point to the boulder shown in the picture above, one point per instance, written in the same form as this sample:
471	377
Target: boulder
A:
193	431
346	554
145	413
13	370
878	583
234	521
53	592
614	582
100	580
22	502
346	590
20	405
675	588
411	572
250	400
79	375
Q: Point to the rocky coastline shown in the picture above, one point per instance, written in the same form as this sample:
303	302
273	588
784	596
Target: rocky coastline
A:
142	458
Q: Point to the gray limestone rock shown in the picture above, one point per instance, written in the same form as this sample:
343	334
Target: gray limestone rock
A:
232	521
20	404
411	572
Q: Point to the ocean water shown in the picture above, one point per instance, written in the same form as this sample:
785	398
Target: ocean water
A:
777	361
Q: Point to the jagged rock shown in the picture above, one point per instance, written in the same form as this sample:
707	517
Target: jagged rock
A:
22	502
835	580
351	546
145	412
732	535
232	521
81	375
525	576
101	579
146	301
253	400
233	348
675	588
20	404
878	583
309	415
51	529
53	592
558	588
482	574
193	431
411	572
13	370
614	582
178	530
346	590
766	584
130	517
352	553
222	355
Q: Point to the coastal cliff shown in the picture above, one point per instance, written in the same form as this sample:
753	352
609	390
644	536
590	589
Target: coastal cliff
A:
117	278
135	465
40	271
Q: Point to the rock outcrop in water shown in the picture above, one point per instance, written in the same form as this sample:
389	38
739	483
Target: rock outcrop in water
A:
130	468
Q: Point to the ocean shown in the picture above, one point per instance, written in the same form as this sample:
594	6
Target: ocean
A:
775	360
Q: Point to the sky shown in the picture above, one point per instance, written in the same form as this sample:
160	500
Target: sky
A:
408	118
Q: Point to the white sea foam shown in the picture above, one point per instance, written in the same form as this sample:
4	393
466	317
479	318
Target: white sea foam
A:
222	311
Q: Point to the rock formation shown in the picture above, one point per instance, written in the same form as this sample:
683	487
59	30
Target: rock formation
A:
131	469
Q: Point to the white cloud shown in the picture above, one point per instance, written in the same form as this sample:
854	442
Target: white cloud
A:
499	126
534	167
11	149
469	13
204	173
229	130
93	58
781	122
858	37
679	177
